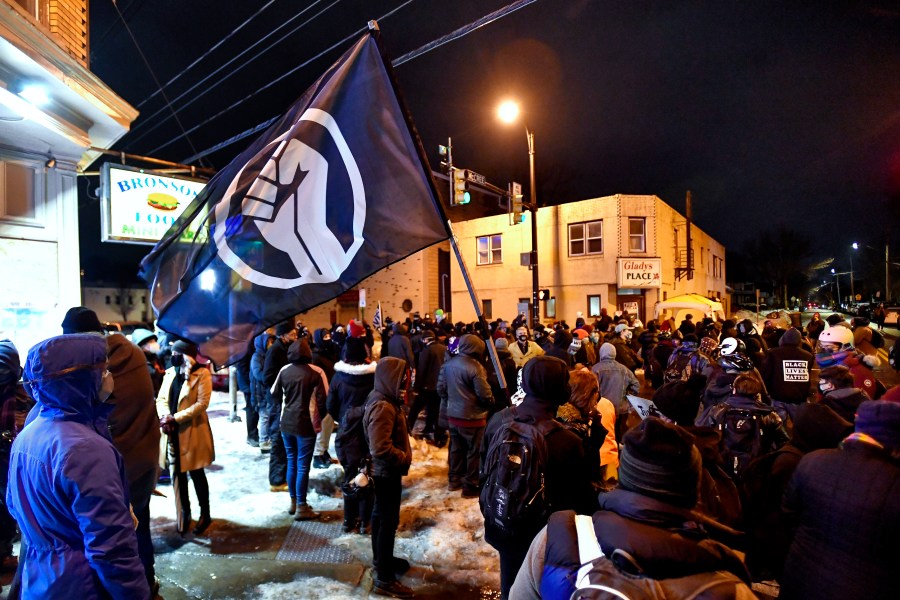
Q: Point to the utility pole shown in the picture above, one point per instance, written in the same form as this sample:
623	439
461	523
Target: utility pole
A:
535	302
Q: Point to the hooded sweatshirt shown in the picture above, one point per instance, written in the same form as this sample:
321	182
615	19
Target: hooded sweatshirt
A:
67	488
615	379
786	370
384	422
546	383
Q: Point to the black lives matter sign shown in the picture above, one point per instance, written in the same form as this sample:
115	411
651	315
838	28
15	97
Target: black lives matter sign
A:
795	370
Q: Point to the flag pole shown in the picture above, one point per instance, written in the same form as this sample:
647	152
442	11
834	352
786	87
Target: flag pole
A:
492	351
375	31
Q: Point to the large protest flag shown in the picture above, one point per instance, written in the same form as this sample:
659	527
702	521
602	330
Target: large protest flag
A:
337	189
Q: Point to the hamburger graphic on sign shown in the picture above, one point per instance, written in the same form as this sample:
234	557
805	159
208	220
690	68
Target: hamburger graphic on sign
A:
139	206
162	201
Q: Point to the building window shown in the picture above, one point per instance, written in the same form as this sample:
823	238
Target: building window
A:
585	238
593	306
487	309
108	301
637	234
490	249
17	186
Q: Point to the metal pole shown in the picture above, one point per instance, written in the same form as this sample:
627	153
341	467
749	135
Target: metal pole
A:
887	273
838	279
492	351
852	292
536	309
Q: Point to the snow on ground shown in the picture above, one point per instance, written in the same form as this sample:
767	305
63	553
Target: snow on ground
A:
440	533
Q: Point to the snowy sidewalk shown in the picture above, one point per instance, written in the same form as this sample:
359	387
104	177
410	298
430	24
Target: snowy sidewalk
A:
244	553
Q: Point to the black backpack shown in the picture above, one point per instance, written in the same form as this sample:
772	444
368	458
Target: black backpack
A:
742	436
681	367
512	495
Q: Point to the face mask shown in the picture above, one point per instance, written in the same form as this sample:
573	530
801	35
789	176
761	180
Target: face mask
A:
523	338
152	347
177	360
107	384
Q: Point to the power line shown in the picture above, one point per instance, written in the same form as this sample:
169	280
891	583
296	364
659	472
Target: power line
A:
97	40
153	75
455	35
278	79
223	79
463	31
208	52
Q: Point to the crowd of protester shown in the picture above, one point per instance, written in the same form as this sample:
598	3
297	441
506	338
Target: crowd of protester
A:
765	455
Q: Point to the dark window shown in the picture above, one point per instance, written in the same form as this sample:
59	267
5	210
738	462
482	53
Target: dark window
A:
637	234
585	238
490	249
487	309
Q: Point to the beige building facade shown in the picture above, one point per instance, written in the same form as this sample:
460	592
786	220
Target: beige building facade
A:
615	252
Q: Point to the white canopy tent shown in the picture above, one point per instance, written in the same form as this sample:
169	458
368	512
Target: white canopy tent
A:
690	303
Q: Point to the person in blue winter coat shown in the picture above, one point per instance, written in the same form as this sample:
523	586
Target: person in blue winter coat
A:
67	487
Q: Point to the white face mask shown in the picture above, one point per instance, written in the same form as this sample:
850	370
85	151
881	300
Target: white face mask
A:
152	347
107	385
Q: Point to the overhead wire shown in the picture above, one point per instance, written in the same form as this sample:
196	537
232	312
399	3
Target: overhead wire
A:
455	35
205	91
208	52
463	31
155	80
281	77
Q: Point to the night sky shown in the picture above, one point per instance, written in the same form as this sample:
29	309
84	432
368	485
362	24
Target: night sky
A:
771	113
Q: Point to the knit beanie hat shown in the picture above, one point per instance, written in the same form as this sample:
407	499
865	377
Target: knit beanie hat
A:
679	400
285	327
355	329
501	344
185	347
881	420
660	460
708	345
355	350
791	337
546	378
80	319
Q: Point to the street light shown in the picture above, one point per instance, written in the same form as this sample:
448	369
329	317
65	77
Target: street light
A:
508	112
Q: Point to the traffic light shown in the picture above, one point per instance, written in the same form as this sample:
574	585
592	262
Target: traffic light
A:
543	295
460	187
516	203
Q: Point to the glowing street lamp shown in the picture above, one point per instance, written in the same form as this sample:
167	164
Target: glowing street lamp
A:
508	112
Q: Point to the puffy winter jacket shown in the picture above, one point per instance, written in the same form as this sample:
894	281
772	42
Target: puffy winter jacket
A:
462	383
67	488
298	385
346	402
666	542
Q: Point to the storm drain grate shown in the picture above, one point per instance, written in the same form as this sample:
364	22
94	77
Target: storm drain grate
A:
310	541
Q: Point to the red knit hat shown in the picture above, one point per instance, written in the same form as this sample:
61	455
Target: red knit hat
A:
355	329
